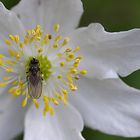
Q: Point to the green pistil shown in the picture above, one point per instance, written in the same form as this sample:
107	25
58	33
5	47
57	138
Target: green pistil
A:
44	64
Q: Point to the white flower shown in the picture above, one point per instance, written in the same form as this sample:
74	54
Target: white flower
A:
39	30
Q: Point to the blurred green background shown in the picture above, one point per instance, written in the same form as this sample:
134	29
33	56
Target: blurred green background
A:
114	16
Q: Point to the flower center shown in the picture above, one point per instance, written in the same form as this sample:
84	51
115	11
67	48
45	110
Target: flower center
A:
41	66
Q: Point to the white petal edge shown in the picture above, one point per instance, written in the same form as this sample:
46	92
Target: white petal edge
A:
66	124
9	24
109	105
67	13
11	117
105	54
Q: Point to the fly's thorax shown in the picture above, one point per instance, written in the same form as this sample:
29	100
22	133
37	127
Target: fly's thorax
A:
43	65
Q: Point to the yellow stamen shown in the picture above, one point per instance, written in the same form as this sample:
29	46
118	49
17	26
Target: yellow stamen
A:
69	78
24	102
47	38
36	103
59	76
68	50
56	27
73	71
10	62
66	41
55	46
76	49
8	42
40	50
1	62
55	101
31	39
9	70
24	93
71	56
51	110
64	91
12	37
11	89
65	99
83	72
59	54
15	82
3	84
62	64
18	56
11	52
58	38
21	45
46	108
16	38
16	92
6	78
73	87
26	40
1	56
77	77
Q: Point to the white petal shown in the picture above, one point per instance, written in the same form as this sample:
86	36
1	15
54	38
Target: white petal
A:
106	54
9	24
49	12
11	117
66	124
109	105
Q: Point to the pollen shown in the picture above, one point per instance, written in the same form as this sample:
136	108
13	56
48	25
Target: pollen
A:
58	67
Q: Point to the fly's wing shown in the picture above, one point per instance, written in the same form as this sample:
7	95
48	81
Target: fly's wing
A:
35	85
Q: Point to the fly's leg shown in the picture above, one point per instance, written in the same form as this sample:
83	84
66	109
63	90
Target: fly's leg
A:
41	75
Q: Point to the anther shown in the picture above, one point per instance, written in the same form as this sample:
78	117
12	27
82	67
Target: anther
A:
9	70
64	91
55	46
36	103
59	76
3	84
58	38
16	38
62	64
83	72
6	78
8	42
65	41
1	62
76	49
56	27
24	102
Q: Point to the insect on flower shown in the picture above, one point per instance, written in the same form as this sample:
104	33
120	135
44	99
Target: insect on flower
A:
34	79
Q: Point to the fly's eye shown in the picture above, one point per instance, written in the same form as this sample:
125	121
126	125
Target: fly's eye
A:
34	61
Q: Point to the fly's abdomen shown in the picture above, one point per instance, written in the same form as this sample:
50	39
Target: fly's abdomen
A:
35	85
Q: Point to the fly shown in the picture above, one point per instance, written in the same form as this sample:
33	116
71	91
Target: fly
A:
34	79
